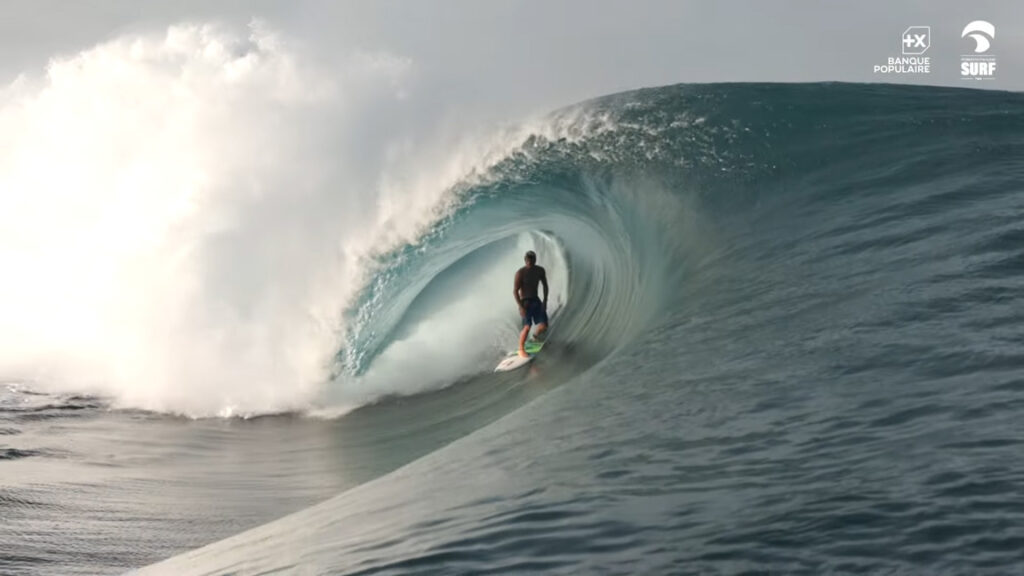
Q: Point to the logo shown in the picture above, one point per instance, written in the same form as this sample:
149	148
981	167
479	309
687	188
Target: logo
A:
917	40
914	42
980	65
982	33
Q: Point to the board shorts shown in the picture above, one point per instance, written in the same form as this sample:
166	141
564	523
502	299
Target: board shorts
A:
535	313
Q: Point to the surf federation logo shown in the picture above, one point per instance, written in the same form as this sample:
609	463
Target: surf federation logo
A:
980	65
914	42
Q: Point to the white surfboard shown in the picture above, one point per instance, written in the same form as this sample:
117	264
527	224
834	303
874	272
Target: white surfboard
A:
514	360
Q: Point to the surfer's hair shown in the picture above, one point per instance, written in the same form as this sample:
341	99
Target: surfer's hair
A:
531	256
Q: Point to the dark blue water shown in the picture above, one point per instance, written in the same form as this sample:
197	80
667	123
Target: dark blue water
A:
790	342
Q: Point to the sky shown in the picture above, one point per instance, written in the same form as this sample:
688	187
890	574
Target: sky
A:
504	58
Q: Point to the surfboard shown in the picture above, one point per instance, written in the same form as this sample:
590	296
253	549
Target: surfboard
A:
514	360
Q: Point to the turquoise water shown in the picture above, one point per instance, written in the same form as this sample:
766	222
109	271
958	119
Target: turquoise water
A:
789	340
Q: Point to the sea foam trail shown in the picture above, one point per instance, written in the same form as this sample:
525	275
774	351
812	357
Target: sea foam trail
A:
185	215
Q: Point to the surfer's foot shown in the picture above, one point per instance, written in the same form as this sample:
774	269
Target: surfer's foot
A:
523	354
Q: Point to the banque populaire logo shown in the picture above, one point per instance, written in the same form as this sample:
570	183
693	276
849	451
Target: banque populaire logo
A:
917	40
980	64
914	42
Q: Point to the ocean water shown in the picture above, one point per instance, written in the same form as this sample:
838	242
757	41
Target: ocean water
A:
787	339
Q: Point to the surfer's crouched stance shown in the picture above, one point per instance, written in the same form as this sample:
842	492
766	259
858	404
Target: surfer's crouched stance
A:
531	308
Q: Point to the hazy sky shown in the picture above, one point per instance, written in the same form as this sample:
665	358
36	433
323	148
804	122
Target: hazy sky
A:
525	56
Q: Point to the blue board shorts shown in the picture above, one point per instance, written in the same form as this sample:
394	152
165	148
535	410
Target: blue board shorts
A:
535	313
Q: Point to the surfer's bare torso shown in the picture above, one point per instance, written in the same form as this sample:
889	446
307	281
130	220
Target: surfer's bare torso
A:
528	279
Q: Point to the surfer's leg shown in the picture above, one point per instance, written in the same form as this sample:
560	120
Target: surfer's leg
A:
522	341
538	334
540	316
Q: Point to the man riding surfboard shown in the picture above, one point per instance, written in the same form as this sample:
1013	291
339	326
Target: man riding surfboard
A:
533	310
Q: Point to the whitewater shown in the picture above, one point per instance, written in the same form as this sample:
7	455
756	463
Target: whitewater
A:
250	308
188	216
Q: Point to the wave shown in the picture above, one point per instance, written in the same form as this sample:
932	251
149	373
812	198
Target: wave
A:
203	224
198	222
635	195
782	286
186	215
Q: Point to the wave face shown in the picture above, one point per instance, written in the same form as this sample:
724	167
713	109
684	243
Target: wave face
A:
793	317
631	198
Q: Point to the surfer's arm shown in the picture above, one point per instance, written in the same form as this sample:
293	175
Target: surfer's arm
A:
544	282
515	288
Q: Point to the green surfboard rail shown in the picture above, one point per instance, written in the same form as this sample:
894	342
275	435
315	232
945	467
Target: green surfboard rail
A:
532	347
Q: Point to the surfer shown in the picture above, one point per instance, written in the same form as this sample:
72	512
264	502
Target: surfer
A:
533	309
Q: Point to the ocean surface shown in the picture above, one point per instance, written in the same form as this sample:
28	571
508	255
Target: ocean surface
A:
788	339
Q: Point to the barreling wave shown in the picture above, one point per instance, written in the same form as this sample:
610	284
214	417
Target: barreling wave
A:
806	304
626	196
612	233
207	281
